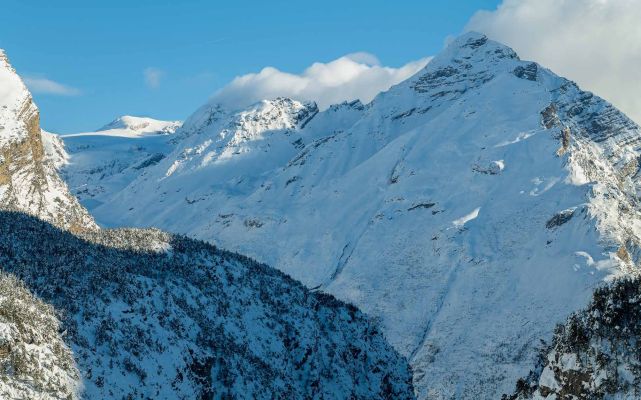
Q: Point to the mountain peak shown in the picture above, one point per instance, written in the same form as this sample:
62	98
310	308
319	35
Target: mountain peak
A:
15	100
292	112
276	114
470	39
474	48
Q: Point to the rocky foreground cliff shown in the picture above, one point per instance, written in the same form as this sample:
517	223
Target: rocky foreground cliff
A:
29	181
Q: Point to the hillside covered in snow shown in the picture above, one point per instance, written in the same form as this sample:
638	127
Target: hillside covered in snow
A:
152	315
88	313
469	209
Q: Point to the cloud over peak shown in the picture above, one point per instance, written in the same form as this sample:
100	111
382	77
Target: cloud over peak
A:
353	76
596	43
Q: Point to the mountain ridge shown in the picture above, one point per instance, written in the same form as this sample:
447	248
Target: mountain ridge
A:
151	314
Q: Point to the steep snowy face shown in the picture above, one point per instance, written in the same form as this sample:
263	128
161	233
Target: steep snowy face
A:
98	165
469	208
28	180
152	315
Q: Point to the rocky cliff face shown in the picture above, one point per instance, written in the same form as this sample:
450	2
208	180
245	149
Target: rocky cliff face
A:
28	180
469	209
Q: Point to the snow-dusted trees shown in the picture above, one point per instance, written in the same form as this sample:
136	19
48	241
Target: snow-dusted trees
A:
35	363
153	315
595	354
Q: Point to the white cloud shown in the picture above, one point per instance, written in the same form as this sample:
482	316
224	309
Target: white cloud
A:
152	77
596	43
47	86
354	76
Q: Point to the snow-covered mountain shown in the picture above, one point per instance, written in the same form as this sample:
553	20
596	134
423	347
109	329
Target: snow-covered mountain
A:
97	165
469	209
128	125
28	179
128	313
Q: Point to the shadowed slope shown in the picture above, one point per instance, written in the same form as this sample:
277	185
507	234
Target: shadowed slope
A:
153	315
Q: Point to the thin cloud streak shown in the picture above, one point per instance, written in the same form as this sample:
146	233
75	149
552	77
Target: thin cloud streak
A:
48	86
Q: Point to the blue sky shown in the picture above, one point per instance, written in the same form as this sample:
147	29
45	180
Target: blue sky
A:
100	50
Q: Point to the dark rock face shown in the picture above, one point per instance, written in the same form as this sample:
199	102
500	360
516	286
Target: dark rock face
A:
153	160
465	72
593	117
528	72
476	43
549	117
421	205
559	219
451	82
566	135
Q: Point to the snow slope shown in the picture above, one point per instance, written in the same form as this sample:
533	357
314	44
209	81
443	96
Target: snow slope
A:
28	179
469	208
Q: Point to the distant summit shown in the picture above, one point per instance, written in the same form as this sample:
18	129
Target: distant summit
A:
129	126
141	125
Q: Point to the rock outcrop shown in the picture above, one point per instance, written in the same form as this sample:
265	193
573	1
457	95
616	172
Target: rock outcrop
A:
29	181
